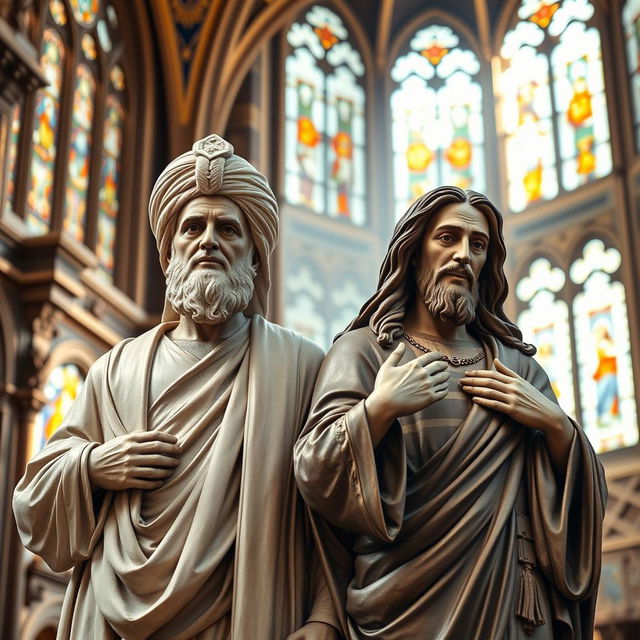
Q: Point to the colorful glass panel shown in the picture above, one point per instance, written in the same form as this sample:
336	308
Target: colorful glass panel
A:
12	152
79	153
117	78
45	136
325	119
103	35
526	118
437	121
108	203
604	359
545	323
583	125
85	11
60	390
56	8
631	22
552	39
88	45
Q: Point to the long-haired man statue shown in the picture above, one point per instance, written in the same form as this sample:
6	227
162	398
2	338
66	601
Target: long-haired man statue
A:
169	487
458	501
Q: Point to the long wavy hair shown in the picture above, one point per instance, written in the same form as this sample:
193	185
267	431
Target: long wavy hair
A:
384	312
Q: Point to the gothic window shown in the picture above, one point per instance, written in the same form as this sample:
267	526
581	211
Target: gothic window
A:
604	359
554	112
325	118
436	112
60	389
631	23
81	160
577	319
545	323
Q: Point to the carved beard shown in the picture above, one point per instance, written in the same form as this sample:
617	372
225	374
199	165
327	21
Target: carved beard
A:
209	296
446	302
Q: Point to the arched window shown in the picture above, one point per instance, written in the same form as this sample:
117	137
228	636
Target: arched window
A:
631	23
436	111
77	133
604	357
545	323
577	318
554	112
325	118
60	389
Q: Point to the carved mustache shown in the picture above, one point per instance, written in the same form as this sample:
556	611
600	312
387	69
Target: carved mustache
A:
461	270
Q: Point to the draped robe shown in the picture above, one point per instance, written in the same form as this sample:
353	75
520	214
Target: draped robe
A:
223	549
434	552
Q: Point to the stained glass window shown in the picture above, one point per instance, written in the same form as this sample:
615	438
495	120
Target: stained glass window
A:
325	118
79	153
85	11
631	22
554	112
12	152
108	202
45	135
545	323
60	390
604	359
437	122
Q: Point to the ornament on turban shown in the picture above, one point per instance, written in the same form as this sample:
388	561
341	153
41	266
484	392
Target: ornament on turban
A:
211	168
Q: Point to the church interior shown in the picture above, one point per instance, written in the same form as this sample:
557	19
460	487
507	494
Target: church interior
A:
351	108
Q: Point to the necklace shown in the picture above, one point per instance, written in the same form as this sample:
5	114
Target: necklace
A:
452	360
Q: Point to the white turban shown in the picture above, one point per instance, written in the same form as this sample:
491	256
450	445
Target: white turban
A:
211	168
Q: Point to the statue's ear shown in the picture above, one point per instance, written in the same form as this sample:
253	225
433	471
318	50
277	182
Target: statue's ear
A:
255	263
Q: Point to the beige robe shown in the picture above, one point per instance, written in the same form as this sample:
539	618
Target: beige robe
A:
223	548
437	549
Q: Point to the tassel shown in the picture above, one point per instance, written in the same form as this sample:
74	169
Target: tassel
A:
528	601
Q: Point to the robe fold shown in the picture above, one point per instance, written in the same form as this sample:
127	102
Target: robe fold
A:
441	549
223	548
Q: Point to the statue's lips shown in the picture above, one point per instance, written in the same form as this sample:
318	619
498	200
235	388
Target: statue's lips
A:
208	262
458	275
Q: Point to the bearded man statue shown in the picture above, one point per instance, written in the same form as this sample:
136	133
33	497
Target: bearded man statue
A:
454	499
169	487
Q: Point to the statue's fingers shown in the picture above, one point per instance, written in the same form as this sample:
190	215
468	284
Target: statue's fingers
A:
428	358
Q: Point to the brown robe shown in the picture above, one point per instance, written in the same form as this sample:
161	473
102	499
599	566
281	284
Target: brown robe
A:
439	551
223	549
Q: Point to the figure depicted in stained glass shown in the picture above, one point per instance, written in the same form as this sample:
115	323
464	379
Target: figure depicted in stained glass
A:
108	203
45	134
579	115
308	140
324	108
460	152
607	394
606	375
79	154
342	168
529	141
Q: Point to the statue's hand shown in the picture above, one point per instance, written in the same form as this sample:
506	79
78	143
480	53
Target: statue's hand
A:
403	389
505	391
315	631
139	460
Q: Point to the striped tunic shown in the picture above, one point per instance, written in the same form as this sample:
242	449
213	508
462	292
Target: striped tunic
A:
426	431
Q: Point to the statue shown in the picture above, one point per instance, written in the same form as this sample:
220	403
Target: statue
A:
454	498
169	487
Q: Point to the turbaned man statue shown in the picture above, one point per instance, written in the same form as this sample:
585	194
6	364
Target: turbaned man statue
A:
465	504
169	487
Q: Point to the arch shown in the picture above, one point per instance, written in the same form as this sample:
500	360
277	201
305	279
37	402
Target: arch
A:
41	618
221	87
